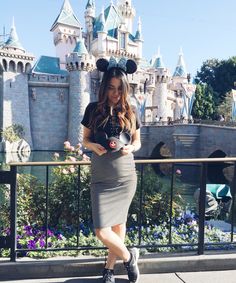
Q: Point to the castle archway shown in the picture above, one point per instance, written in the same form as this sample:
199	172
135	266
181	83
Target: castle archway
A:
161	151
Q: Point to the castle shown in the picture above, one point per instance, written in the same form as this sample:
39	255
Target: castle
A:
48	96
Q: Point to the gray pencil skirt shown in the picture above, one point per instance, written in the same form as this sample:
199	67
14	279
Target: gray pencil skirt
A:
113	185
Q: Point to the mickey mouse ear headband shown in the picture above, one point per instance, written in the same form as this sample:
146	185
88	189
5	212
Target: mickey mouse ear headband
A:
128	66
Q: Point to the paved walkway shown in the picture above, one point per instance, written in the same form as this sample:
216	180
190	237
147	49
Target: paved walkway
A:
214	268
228	276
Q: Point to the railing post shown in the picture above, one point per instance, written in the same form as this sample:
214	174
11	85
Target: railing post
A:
78	204
171	201
46	214
140	207
202	199
233	191
13	213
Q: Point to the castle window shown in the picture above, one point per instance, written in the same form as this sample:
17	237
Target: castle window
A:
20	67
122	40
4	64
12	66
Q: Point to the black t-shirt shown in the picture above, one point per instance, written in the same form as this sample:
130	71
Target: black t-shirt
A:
108	128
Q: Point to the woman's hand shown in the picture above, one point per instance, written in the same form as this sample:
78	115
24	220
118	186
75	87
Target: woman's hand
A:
97	148
136	144
129	148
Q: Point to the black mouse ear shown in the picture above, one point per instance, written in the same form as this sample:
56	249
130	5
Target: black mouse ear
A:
102	64
131	66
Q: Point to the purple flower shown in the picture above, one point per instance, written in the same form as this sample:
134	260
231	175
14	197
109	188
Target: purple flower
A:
59	236
42	243
50	233
28	230
8	232
31	244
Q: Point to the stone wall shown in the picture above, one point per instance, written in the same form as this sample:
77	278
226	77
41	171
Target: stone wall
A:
49	116
15	106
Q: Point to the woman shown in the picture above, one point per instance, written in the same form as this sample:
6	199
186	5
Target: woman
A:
112	132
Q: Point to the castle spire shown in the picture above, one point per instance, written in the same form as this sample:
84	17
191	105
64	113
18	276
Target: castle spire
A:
66	32
138	35
158	62
128	13
90	4
180	70
66	17
13	40
102	21
80	47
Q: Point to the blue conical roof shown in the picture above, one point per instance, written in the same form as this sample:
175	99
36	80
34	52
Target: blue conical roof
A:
80	47
66	16
180	70
138	35
112	19
158	62
101	22
13	40
90	4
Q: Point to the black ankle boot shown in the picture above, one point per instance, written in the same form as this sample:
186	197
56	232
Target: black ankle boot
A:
108	276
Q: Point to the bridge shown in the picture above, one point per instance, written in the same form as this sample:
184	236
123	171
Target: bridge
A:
187	141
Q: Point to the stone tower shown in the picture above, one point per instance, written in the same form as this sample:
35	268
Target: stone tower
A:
162	78
128	13
183	89
139	40
79	64
66	32
15	65
102	35
89	16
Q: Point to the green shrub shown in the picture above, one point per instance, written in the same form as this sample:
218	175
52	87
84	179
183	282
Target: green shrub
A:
13	133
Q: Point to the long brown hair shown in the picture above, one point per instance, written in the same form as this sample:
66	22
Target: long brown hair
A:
125	113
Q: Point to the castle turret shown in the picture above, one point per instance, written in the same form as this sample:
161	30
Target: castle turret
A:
128	13
89	16
15	65
180	73
183	88
139	40
79	64
67	30
102	34
162	77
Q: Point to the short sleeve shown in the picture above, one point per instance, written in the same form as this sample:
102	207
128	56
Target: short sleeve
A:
87	114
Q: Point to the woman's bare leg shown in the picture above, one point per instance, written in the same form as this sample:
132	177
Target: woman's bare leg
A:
113	242
120	230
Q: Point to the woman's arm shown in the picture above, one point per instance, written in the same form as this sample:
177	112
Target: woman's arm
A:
95	147
136	140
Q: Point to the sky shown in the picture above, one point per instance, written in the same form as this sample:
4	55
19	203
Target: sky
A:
204	29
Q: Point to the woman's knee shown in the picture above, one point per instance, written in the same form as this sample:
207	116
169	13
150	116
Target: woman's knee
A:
102	233
119	228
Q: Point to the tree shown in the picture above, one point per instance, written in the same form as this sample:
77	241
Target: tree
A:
220	75
204	105
225	108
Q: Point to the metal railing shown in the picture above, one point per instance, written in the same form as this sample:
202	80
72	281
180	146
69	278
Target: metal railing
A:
10	177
